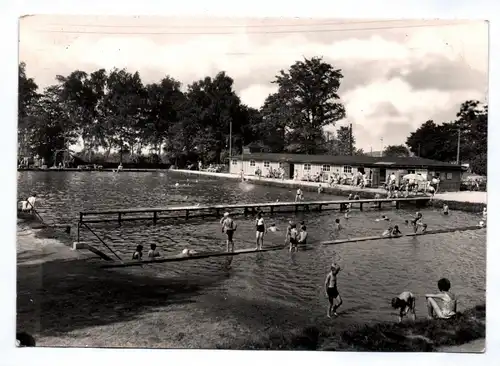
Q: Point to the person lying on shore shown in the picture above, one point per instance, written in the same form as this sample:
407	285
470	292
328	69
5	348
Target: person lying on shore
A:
138	253
383	218
405	302
153	252
332	292
347	211
444	304
337	226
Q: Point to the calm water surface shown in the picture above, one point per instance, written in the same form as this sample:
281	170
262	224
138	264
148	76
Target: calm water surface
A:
374	271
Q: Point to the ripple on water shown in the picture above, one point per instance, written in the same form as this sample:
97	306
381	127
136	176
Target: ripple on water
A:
373	271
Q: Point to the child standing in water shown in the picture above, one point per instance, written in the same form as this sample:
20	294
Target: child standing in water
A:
260	228
446	209
448	307
153	252
294	238
303	235
332	291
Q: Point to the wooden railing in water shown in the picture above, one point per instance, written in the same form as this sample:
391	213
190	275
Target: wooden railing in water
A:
205	255
217	210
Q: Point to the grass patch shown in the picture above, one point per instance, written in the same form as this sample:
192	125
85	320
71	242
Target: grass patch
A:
421	336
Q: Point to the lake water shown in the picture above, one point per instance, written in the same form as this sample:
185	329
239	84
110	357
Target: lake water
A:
374	271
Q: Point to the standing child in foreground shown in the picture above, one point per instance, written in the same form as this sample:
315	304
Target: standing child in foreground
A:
406	303
332	292
448	301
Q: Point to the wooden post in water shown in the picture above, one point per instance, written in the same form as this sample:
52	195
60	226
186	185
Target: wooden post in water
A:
272	209
361	206
119	218
397	205
320	207
187	214
155	217
380	205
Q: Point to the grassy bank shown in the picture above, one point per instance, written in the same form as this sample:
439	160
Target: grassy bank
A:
421	336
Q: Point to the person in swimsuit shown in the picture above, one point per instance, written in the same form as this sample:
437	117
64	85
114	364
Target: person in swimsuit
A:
405	302
446	209
303	235
298	195
293	238
337	226
153	252
320	189
417	222
287	234
448	308
396	232
138	253
260	228
228	227
332	292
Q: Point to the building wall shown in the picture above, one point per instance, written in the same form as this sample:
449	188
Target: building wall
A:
449	179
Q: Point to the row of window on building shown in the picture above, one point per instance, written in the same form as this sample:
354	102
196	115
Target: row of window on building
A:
307	166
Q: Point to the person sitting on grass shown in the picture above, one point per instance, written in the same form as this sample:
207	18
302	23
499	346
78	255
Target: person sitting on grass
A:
405	302
153	252
448	308
138	253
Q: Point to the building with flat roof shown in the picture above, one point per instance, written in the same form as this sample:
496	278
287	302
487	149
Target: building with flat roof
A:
302	166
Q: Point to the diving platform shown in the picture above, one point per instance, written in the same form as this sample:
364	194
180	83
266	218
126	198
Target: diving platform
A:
186	212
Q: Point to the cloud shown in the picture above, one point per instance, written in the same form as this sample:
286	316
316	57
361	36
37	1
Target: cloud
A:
392	77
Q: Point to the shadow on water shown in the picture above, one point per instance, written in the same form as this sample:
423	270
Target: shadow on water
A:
98	297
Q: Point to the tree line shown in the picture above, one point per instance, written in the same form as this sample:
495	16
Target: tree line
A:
161	121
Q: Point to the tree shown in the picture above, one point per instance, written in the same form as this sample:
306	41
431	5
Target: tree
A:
309	92
434	141
400	151
27	100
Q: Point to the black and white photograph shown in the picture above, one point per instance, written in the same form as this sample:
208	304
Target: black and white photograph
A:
252	183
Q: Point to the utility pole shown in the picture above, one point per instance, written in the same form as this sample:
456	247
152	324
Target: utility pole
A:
351	147
418	150
458	148
381	146
230	138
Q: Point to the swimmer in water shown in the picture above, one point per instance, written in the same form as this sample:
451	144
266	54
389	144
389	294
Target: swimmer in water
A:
303	235
188	252
294	238
273	228
405	302
332	291
446	209
383	218
138	253
260	228
417	222
153	252
320	189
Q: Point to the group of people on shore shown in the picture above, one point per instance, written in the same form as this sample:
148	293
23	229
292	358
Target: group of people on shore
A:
442	305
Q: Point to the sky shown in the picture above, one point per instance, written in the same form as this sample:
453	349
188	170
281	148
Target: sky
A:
397	73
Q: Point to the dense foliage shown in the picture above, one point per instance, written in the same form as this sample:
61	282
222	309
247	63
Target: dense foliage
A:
114	112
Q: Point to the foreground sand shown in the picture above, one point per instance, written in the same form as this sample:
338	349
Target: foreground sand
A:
66	299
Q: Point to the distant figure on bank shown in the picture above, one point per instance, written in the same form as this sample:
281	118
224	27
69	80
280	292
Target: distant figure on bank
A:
153	252
228	227
444	304
273	228
120	168
446	209
349	197
383	218
294	238
299	196
405	302
320	189
138	253
303	235
24	339
260	228
332	292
